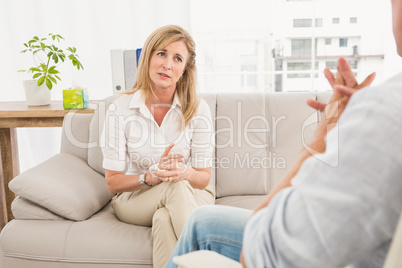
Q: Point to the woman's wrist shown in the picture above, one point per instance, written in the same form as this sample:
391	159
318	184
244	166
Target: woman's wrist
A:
149	179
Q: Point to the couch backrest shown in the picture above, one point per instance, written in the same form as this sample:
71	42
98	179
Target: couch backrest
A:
258	137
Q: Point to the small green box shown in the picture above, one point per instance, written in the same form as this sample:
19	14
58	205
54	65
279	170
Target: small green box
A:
75	98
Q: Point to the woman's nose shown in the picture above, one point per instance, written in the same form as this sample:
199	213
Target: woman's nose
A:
167	64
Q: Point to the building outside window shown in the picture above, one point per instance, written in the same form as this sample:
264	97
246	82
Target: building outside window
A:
343	42
353	20
298	38
302	23
318	22
301	47
304	67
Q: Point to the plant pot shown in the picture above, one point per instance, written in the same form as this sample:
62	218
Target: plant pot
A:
35	95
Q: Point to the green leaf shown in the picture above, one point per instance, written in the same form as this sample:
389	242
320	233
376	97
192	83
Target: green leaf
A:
43	46
34	69
52	79
57	77
21	71
25	44
51	70
36	38
49	83
50	54
55	58
41	80
44	67
36	75
24	51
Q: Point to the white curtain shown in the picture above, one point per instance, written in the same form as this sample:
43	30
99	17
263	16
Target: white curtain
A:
94	28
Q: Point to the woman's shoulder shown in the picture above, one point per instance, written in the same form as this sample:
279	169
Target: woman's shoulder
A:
121	102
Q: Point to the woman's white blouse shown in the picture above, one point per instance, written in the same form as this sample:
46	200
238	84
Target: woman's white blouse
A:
133	141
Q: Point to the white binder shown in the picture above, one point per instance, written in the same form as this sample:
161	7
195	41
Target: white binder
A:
124	69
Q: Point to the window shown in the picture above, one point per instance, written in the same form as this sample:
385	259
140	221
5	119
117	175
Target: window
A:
249	69
353	20
332	65
335	21
343	42
353	64
299	66
301	47
302	23
318	22
328	41
305	67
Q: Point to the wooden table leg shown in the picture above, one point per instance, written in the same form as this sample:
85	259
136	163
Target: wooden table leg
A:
10	169
3	204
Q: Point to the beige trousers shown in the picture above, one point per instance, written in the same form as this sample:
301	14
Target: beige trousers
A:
166	208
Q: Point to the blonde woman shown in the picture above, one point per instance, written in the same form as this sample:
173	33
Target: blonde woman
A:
161	114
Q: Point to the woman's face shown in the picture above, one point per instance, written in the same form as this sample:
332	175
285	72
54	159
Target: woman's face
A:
167	66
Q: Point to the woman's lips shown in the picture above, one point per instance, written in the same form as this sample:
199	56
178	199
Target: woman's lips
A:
164	75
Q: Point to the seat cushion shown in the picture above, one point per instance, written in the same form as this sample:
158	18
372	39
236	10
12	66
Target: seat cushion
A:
241	201
100	241
24	209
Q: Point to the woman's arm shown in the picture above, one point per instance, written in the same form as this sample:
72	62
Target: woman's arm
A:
118	182
197	177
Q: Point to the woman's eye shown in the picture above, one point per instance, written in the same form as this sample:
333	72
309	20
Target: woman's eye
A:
179	59
161	53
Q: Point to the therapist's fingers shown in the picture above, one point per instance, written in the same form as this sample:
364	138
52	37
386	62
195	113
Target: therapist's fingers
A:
319	106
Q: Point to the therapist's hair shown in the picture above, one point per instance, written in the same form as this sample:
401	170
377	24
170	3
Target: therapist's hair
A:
186	86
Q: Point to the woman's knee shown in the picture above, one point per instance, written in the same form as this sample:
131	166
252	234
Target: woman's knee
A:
161	217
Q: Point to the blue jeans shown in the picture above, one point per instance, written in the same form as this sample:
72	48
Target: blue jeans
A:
213	227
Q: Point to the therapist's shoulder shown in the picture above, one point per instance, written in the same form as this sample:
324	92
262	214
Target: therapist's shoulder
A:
388	93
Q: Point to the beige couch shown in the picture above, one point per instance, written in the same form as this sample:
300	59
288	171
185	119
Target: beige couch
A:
62	213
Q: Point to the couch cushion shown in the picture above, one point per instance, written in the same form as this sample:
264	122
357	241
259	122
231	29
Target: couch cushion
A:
241	140
100	241
75	134
95	156
210	99
293	124
24	209
241	201
65	185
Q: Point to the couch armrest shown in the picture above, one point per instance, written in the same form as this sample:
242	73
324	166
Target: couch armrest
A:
205	258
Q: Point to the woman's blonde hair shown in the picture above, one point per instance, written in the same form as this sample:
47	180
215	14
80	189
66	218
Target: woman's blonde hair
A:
186	86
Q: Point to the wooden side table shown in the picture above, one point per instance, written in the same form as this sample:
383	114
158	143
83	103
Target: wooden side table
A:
12	116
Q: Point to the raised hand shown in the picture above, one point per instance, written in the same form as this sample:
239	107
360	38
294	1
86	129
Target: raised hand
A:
344	85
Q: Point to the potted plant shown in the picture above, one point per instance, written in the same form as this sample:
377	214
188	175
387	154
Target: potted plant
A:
47	57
